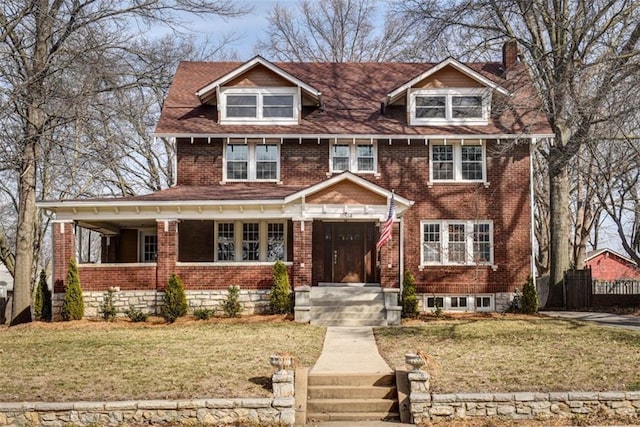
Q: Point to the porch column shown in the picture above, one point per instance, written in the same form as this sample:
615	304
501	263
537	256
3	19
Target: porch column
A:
167	251
64	248
302	267
302	253
390	260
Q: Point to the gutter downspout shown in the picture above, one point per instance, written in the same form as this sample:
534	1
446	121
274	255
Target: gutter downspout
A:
532	144
401	256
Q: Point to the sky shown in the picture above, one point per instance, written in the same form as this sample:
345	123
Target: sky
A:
248	28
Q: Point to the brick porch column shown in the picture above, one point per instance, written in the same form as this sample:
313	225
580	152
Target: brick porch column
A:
167	251
64	248
302	253
390	260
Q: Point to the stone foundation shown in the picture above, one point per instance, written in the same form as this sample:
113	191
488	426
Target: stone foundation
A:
150	302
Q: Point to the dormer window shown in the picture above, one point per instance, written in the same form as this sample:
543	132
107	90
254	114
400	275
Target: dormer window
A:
259	105
449	106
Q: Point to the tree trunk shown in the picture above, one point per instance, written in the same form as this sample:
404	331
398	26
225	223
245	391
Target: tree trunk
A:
21	308
559	225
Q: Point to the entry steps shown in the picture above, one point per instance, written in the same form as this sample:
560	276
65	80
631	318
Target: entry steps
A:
347	306
352	397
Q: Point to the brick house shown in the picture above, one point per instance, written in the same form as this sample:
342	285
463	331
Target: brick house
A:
300	161
608	266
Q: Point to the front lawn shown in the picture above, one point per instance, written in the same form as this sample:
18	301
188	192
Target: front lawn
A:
92	360
511	353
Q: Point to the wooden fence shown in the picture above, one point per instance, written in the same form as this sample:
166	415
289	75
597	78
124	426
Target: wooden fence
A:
583	292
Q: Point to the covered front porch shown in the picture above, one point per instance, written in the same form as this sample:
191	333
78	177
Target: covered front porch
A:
325	233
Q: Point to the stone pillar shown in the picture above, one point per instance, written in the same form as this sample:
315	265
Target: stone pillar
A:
419	397
167	251
302	310
391	305
283	393
64	248
302	253
390	260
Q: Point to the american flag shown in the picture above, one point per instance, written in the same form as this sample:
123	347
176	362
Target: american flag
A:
385	231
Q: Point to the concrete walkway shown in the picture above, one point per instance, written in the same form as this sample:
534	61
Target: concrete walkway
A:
605	319
350	349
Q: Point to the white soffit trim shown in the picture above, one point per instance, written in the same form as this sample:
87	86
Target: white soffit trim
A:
257	60
351	136
347	176
392	96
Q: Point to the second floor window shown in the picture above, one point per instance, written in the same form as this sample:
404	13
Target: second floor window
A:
457	162
357	158
253	161
465	106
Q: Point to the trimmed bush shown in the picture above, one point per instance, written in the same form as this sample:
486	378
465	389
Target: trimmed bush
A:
409	297
175	300
231	305
108	309
73	305
529	303
42	301
136	315
280	296
203	313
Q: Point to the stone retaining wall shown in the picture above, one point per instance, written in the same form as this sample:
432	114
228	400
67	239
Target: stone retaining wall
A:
202	411
427	406
253	301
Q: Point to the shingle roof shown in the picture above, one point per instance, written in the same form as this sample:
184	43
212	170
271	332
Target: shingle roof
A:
352	94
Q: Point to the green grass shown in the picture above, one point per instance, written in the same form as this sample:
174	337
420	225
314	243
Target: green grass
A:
518	354
115	361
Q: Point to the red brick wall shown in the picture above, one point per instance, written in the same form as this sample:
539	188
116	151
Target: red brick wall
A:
608	266
167	250
390	260
127	278
64	248
302	249
200	162
216	277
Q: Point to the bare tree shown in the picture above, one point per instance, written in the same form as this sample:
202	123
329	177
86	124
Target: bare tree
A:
580	54
333	31
45	46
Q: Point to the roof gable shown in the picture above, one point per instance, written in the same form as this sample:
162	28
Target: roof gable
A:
235	76
349	188
466	71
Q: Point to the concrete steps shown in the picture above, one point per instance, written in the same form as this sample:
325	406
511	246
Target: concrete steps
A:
352	397
347	306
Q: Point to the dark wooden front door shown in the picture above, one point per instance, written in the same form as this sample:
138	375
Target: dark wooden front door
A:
348	249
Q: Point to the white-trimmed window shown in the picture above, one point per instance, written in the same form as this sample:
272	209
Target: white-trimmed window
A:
250	241
358	156
477	302
457	162
259	105
456	242
453	106
148	245
251	161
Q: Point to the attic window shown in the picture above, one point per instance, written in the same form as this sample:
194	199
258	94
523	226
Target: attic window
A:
450	106
259	105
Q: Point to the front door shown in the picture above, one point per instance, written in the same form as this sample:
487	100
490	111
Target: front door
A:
349	250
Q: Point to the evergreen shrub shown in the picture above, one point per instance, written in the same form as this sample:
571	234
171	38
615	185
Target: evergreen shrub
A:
108	310
529	304
409	297
203	313
42	302
280	296
175	300
231	305
136	315
73	305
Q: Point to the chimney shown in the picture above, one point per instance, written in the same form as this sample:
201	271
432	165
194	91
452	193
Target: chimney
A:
510	55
